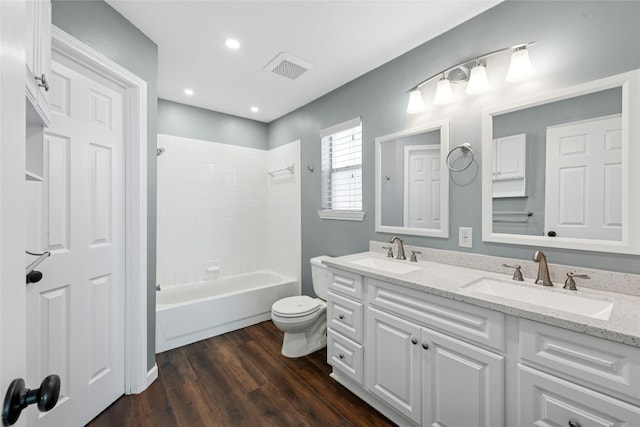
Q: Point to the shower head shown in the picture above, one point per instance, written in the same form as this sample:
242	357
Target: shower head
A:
160	150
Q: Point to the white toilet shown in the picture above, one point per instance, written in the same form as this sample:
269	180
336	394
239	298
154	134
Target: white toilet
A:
304	319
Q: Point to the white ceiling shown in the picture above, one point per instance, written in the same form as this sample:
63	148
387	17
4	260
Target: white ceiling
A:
342	39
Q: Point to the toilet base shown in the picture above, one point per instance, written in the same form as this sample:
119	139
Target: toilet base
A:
298	344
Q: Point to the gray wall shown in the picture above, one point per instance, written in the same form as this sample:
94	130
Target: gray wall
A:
99	26
579	41
192	122
534	122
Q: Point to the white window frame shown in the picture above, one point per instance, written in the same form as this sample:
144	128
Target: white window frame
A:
340	214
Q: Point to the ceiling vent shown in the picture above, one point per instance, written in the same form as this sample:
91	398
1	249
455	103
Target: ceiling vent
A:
288	66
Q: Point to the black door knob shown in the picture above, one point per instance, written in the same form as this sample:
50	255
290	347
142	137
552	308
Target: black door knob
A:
34	277
19	397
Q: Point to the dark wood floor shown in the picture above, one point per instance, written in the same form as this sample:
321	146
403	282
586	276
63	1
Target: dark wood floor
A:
241	379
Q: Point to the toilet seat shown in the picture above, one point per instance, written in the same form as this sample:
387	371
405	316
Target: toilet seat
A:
297	306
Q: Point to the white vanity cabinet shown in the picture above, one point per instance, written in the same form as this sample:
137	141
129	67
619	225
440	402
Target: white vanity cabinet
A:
434	361
345	324
424	359
38	60
571	379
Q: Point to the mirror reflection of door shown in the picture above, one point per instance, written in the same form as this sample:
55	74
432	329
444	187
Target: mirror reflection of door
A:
584	179
422	186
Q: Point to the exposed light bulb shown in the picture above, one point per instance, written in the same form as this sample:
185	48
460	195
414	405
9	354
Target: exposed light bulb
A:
520	67
188	92
254	109
444	94
478	82
416	105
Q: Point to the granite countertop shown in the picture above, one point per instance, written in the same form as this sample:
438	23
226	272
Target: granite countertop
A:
447	281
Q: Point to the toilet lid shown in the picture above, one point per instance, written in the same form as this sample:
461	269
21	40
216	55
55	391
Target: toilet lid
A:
295	306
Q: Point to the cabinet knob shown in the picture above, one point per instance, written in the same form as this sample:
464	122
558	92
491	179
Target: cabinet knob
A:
414	340
341	356
43	82
425	346
573	423
341	316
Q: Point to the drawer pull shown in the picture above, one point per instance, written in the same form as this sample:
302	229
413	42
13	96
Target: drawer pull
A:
574	423
341	356
425	346
341	316
414	340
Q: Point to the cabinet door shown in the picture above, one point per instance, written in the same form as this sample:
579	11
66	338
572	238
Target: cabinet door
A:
44	59
510	157
38	60
463	385
393	362
31	38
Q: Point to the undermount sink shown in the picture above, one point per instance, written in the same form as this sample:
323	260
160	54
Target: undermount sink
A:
396	267
595	308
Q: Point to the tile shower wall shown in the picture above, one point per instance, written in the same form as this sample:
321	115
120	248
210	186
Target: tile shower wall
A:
283	211
213	205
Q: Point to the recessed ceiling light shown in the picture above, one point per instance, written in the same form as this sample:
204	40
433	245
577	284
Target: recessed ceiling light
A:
255	109
188	92
232	43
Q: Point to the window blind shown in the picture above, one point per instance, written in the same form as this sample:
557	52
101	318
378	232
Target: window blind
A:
342	166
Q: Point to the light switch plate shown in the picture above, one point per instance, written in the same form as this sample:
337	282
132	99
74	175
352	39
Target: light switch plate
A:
465	237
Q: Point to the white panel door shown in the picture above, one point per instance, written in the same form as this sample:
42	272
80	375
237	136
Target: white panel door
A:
463	385
75	315
392	362
422	186
583	189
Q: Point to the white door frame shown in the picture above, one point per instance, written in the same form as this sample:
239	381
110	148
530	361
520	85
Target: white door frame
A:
137	378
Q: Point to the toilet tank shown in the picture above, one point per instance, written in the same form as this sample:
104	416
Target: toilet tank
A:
320	276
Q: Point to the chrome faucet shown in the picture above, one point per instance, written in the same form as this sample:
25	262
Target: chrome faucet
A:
543	269
400	247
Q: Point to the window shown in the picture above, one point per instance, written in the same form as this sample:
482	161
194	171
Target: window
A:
342	171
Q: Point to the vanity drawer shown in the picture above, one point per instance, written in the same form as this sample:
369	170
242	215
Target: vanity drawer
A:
471	323
546	400
597	363
346	316
348	284
345	355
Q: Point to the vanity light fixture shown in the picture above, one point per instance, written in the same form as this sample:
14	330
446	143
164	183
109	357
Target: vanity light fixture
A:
444	94
416	105
478	82
519	69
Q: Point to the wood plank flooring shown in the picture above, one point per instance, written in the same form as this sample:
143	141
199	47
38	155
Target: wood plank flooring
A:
241	379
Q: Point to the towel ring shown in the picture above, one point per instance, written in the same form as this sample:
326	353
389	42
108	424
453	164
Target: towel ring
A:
465	148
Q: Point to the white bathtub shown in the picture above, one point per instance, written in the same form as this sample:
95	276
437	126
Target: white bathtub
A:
196	311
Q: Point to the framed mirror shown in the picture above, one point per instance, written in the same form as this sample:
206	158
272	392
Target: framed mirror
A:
563	169
412	181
